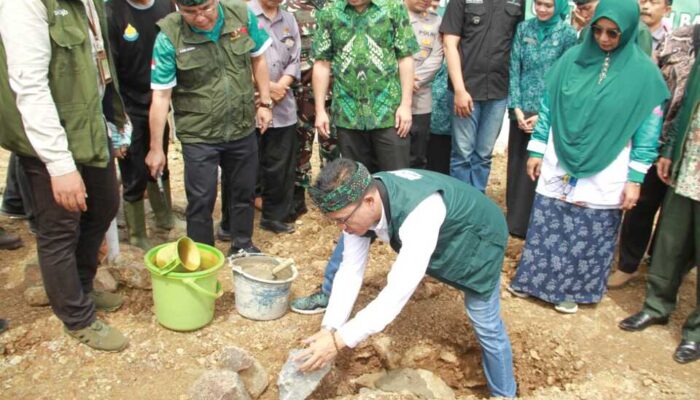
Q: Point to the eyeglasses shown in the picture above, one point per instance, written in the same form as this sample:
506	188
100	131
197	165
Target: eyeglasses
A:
344	221
611	33
200	11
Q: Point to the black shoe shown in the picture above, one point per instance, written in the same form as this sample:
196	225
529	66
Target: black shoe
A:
13	213
243	251
687	352
276	226
641	321
223	235
9	241
3	325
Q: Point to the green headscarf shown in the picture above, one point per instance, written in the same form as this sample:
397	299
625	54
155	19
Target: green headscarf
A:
190	3
561	13
592	122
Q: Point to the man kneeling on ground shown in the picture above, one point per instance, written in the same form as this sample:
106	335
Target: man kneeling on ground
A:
439	226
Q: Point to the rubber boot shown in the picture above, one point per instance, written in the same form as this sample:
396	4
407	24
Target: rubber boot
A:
162	206
136	224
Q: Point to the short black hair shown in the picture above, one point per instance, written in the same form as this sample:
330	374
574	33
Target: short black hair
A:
334	174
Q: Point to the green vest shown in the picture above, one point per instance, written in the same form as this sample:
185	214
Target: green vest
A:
73	85
213	101
473	237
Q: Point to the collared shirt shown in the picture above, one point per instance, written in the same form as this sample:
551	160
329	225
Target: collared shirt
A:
428	60
164	65
486	29
282	58
24	28
419	235
364	49
658	36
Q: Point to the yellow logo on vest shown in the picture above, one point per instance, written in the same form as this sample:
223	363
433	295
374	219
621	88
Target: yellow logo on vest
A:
130	34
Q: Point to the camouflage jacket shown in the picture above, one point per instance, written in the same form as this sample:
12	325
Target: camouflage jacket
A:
675	58
304	12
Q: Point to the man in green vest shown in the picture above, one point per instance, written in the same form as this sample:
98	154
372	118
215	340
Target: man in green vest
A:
55	70
204	59
439	226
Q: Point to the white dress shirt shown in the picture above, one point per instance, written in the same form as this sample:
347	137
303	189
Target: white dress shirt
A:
419	235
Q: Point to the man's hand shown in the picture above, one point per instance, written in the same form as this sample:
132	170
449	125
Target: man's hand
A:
277	91
323	124
630	195
416	86
663	169
69	191
403	121
464	105
534	164
155	161
263	118
321	350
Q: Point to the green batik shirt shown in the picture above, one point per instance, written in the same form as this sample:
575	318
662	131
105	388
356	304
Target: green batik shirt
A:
364	49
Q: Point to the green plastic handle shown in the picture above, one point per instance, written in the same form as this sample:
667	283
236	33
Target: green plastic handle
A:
193	284
169	267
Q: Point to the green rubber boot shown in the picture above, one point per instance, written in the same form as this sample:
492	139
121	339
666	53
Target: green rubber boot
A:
136	224
162	206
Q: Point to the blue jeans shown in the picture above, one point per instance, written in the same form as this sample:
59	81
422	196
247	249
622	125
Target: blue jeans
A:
496	354
473	139
332	267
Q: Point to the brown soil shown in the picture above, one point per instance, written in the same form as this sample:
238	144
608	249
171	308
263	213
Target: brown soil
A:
581	356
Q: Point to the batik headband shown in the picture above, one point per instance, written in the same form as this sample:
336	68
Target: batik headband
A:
346	193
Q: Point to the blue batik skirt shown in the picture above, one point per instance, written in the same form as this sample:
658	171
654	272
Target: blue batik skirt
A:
568	252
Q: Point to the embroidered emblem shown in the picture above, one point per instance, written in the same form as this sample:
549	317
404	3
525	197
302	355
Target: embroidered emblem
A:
61	12
130	33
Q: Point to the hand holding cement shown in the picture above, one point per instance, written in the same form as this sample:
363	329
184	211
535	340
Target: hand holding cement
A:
321	350
69	191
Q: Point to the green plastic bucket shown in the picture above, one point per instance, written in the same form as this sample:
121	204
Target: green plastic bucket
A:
184	301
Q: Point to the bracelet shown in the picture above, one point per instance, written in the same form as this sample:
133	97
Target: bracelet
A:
335	343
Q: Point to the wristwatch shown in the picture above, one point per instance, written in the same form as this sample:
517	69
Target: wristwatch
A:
266	104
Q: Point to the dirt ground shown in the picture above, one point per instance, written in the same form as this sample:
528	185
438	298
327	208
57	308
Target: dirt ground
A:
581	356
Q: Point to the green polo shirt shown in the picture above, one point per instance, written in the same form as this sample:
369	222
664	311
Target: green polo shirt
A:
364	49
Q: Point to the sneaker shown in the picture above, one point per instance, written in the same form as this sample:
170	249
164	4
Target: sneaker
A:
517	293
105	301
619	278
243	251
100	336
566	307
313	304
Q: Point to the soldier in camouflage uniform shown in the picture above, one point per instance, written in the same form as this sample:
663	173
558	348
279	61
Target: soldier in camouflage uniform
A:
305	13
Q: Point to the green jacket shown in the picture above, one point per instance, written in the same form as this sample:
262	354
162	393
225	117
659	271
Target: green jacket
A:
679	128
213	101
72	81
472	239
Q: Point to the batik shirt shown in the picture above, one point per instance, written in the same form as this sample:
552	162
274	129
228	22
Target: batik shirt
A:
364	49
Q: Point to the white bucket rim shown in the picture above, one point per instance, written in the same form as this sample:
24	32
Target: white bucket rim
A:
238	270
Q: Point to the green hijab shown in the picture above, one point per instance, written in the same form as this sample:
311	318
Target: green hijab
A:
592	122
561	12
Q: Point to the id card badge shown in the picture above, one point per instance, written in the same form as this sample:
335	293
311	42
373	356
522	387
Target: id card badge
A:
103	67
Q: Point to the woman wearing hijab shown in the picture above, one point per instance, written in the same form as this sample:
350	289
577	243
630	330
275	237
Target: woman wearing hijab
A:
538	44
596	136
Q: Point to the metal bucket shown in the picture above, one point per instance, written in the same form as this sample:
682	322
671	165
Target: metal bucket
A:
261	299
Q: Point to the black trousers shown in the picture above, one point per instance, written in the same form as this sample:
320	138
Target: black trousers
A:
67	242
420	134
134	173
377	149
520	189
439	150
17	195
239	164
638	223
278	148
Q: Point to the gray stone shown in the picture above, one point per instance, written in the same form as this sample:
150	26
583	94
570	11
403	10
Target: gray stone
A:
418	382
104	281
295	385
129	269
219	384
255	379
36	296
234	358
368	380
